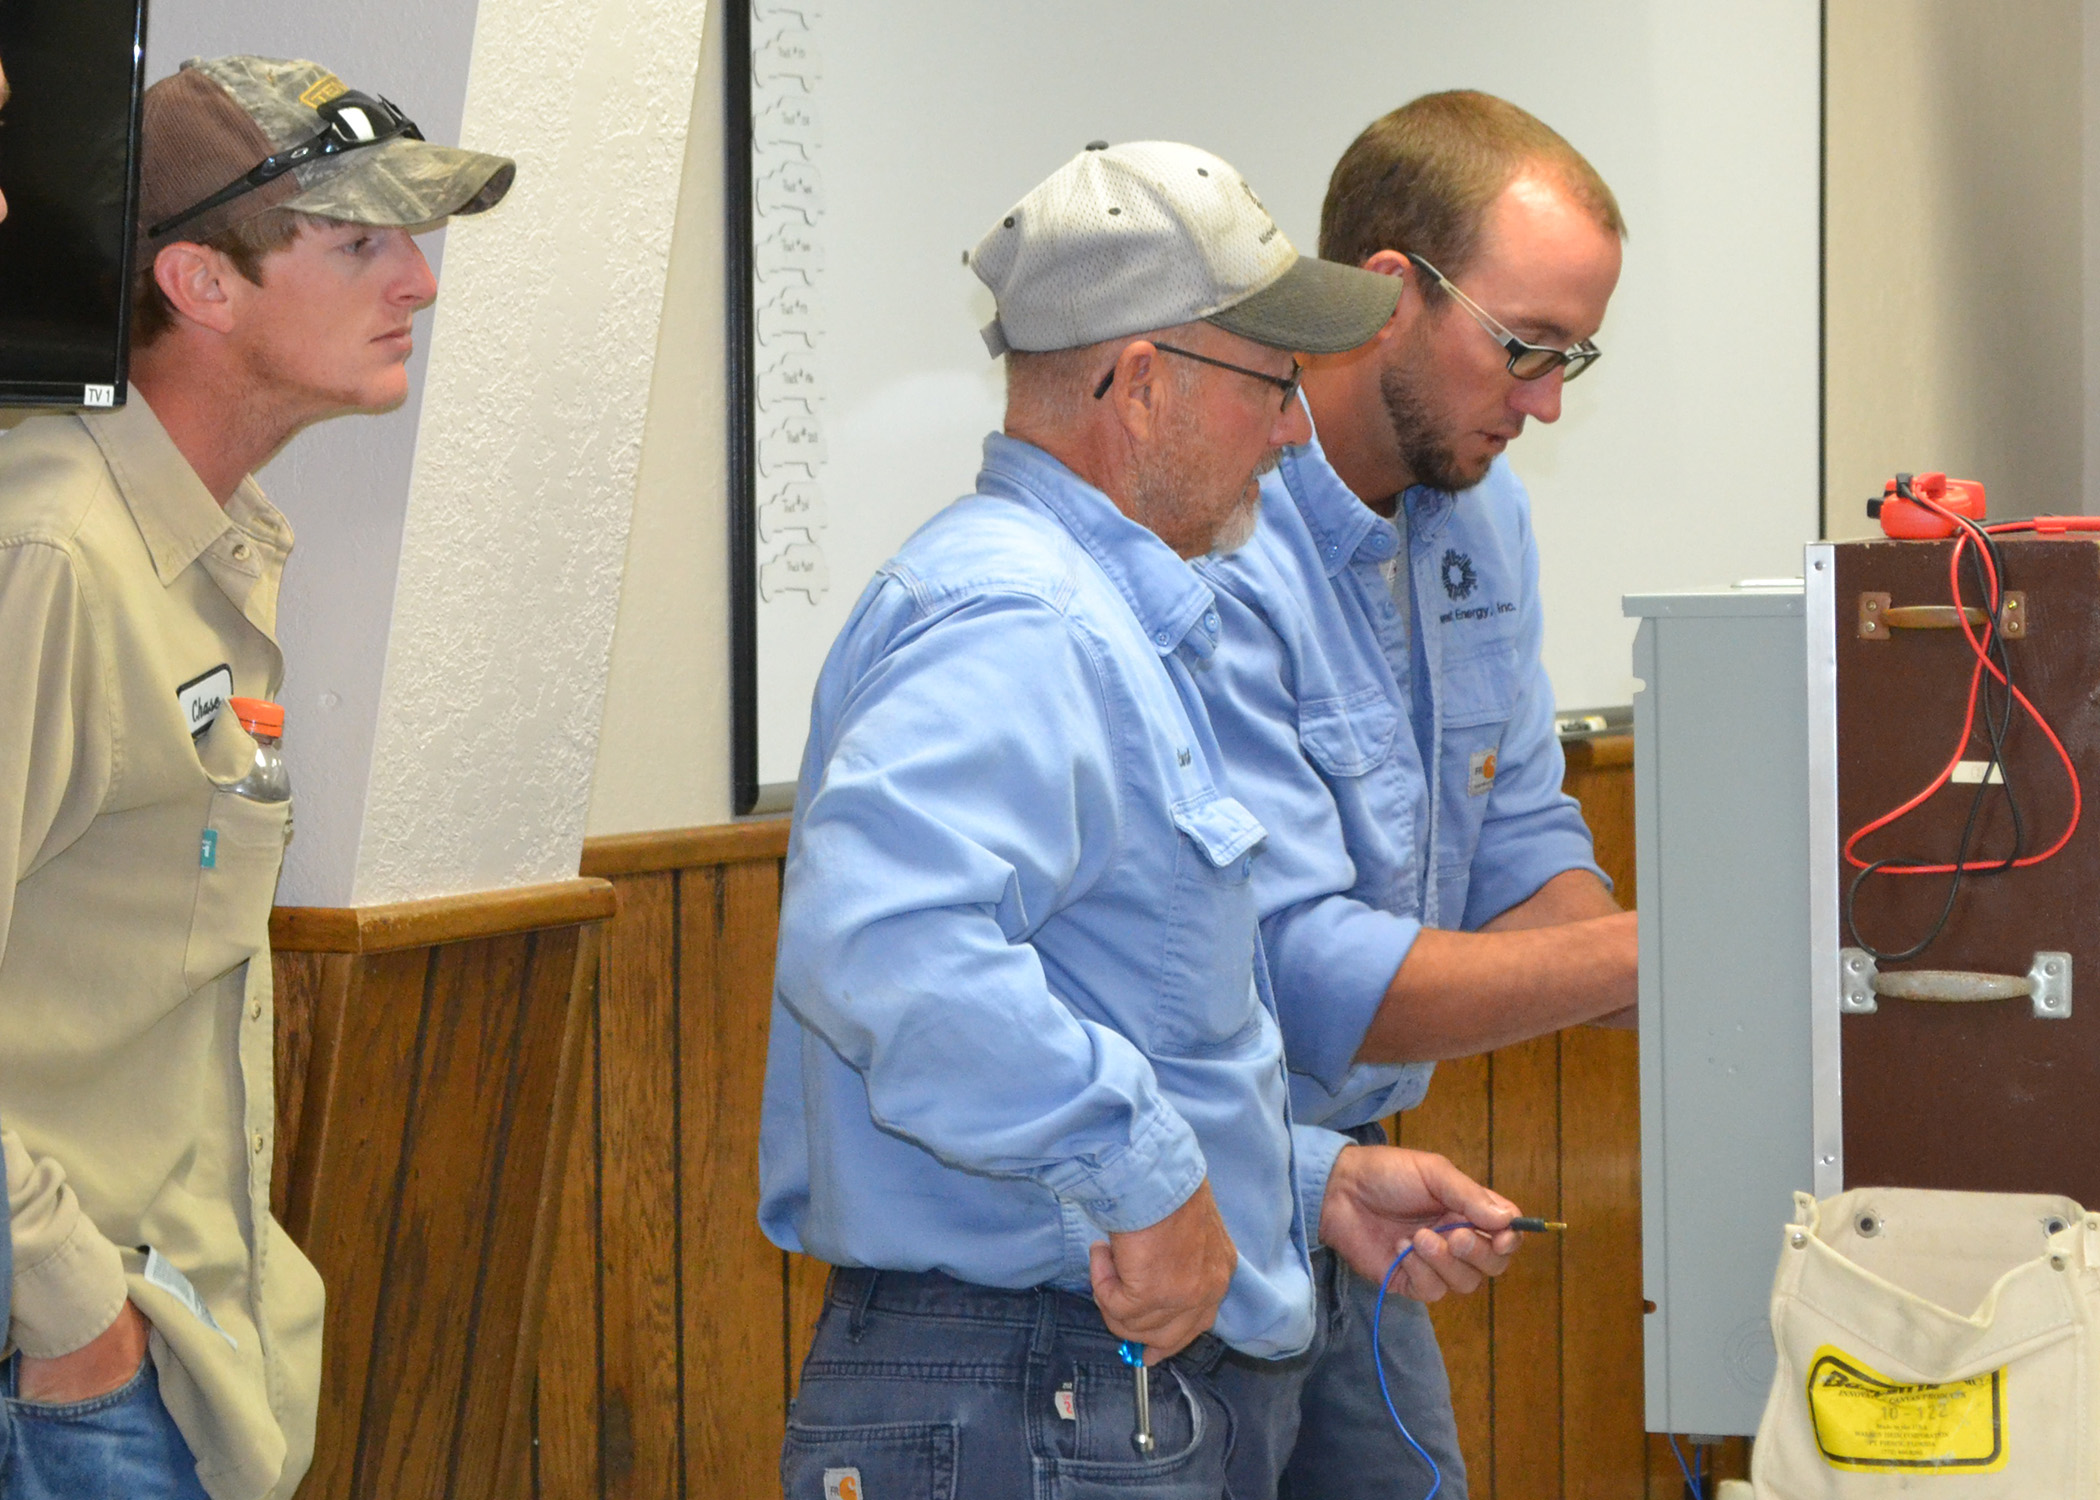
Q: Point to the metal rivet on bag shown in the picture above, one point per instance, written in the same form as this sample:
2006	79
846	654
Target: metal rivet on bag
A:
2052	1225
2057	1262
1868	1225
1797	1239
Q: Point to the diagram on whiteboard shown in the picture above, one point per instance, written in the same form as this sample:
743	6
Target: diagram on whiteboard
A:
787	196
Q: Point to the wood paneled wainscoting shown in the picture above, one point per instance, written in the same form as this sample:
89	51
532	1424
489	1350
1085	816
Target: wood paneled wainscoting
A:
674	1330
427	1062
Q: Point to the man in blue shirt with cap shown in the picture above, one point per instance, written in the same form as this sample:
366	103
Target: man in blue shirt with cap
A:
1025	1086
1378	695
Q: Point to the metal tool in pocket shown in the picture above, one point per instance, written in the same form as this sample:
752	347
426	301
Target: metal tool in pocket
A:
1134	1356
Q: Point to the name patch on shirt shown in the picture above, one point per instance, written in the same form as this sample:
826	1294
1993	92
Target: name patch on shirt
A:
1480	773
161	1272
203	696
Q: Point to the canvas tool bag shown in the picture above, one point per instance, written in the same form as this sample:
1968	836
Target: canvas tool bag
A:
1933	1343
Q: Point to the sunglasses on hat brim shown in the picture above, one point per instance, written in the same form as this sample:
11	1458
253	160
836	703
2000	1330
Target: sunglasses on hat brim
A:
349	122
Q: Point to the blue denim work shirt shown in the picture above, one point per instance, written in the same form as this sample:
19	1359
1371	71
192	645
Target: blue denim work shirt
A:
1408	772
1020	998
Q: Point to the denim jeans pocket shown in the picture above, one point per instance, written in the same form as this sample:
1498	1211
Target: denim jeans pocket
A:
876	1461
122	1445
90	1409
1189	1426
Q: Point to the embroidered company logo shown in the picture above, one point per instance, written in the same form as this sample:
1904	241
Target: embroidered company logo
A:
1459	577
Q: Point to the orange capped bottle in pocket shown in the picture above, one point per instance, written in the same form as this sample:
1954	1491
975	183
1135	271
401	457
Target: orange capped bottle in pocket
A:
266	780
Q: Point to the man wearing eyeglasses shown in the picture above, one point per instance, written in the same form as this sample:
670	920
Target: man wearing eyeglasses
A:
165	1333
1428	890
1025	1086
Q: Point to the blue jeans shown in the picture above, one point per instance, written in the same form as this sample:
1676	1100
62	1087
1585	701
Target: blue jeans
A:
119	1446
923	1386
1347	1447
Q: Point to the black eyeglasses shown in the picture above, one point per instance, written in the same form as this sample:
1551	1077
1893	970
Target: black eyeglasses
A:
350	122
1526	361
1288	384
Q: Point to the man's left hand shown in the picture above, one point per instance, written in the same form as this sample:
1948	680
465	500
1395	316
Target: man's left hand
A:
1382	1198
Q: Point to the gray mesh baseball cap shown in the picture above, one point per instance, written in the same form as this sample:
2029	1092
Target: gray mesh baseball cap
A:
215	119
1127	239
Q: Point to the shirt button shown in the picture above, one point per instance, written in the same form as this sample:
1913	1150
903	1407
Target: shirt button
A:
255	1011
1210	621
1163	638
240	551
258	1143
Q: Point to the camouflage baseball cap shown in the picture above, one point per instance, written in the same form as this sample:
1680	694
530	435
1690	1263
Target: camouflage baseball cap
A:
216	120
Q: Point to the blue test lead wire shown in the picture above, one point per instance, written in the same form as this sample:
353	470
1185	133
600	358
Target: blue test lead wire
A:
1694	1472
1436	1475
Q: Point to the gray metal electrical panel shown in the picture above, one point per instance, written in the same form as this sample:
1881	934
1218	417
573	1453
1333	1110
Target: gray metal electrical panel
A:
1723	803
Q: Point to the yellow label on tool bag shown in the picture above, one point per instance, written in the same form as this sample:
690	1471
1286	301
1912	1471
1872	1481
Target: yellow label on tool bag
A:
1867	1422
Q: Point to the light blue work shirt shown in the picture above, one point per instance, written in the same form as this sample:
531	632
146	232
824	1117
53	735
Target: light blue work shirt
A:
1377	749
1020	997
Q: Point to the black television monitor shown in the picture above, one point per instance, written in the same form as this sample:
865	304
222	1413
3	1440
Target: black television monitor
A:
69	140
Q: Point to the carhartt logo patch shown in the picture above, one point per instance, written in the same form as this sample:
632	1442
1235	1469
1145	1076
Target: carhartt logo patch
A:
203	696
1480	773
842	1484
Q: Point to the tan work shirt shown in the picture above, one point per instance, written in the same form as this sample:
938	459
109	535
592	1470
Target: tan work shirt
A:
135	1022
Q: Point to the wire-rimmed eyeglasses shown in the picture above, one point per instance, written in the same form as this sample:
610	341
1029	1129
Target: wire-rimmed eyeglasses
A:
1526	361
1288	384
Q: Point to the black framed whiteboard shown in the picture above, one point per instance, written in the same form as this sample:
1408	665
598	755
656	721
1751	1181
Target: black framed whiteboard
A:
869	146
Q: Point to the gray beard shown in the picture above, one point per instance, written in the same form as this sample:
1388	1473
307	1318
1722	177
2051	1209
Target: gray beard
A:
1424	449
1238	528
1162	501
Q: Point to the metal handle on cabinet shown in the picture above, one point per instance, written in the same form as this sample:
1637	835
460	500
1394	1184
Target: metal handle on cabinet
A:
2047	983
1878	616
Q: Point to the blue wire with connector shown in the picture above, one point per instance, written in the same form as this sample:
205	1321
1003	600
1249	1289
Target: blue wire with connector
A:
1694	1472
1436	1475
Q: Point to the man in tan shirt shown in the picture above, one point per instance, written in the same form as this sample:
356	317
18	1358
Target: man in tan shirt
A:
139	572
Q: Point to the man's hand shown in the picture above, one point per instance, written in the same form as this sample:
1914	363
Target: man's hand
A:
1381	1198
96	1368
1162	1285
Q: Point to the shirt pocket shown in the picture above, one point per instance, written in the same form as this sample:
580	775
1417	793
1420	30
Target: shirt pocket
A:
1480	694
1348	736
240	850
1480	688
1206	977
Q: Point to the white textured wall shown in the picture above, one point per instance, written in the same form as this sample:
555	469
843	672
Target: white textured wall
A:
1956	251
344	484
663	759
526	464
